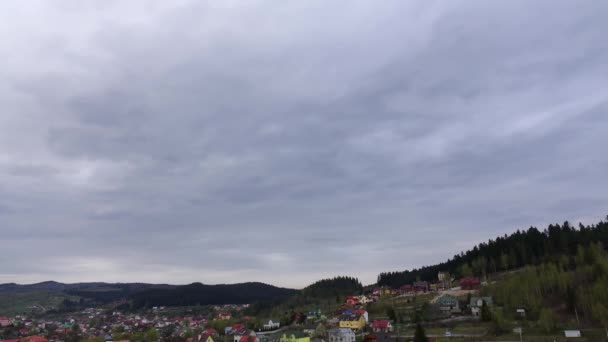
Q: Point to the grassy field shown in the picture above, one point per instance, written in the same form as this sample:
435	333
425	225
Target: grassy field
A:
25	302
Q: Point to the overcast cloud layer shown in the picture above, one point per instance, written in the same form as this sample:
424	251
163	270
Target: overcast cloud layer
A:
287	141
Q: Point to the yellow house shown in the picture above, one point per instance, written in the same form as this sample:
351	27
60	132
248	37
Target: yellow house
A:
295	337
386	291
353	322
203	338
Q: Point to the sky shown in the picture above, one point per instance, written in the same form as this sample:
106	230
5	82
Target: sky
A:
289	141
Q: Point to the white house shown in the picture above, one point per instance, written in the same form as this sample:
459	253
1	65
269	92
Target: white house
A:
272	324
363	299
341	335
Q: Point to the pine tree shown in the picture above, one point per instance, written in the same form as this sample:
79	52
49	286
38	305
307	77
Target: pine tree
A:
420	335
486	315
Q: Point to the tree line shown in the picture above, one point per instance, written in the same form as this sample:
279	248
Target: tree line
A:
508	252
201	294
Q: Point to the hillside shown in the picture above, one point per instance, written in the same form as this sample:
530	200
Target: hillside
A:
325	294
509	252
55	296
558	276
198	293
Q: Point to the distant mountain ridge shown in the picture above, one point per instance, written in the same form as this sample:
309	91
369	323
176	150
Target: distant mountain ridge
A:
144	294
57	286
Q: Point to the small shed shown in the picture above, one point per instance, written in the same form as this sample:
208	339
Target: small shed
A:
572	333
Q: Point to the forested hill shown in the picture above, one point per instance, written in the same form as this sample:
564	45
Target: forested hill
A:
338	286
332	290
529	247
142	295
200	294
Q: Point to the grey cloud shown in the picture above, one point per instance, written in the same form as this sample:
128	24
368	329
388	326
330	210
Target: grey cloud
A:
285	142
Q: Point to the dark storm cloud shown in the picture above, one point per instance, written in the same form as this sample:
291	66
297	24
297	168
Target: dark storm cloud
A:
287	142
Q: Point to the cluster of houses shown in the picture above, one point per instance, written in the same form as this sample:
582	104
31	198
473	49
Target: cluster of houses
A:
351	318
245	335
444	282
93	323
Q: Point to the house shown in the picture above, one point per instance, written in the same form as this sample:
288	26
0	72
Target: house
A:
477	302
448	305
294	336
445	279
521	313
421	286
238	334
34	339
406	289
362	312
232	328
63	331
272	324
379	337
382	326
335	321
224	316
442	276
363	299
249	338
386	291
205	338
352	300
210	331
238	326
383	291
4	321
353	321
340	335
470	283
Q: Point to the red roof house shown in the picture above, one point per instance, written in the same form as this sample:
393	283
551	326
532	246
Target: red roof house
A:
4	321
352	300
407	288
470	283
246	338
34	339
382	326
238	326
210	331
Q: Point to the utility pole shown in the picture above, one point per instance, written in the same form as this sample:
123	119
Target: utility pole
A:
519	330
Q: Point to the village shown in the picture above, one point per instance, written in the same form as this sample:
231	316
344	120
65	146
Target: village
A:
378	314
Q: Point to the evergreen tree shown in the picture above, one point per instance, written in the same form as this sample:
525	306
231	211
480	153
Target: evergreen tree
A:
486	315
419	334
